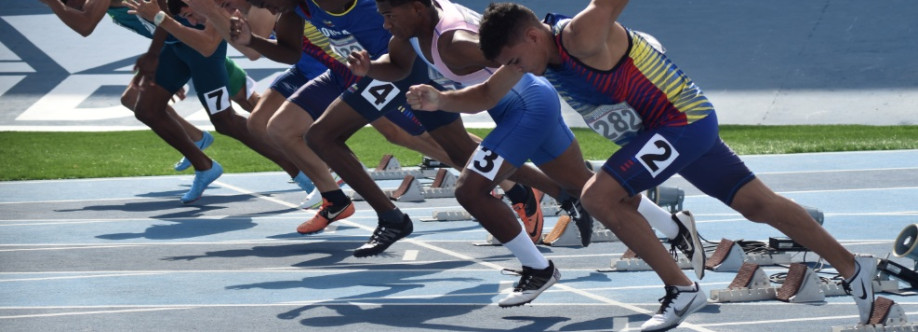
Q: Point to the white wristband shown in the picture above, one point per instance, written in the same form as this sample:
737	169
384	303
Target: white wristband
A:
160	16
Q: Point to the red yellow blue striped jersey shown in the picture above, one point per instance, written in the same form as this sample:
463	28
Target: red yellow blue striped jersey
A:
643	91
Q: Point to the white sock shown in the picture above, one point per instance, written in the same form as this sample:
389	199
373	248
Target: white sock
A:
525	251
658	218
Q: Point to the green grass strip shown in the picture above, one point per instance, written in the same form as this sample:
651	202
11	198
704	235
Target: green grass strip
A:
68	155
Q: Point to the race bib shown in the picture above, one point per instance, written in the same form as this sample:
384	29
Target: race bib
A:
217	100
485	162
615	122
380	93
657	155
345	46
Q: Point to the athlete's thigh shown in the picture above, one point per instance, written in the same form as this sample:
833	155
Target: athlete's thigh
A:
528	125
172	72
339	120
730	176
373	99
315	96
484	170
209	77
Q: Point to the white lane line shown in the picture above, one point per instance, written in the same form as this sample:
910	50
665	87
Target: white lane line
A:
100	312
410	255
81	277
68	248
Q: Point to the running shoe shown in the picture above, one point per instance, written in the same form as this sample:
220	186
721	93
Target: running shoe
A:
675	307
688	242
860	286
384	236
206	140
581	218
327	214
532	283
530	213
202	179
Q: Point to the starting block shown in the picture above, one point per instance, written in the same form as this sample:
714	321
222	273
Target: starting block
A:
887	315
751	284
629	261
390	168
728	257
566	234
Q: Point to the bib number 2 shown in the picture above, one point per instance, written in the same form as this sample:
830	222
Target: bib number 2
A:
657	155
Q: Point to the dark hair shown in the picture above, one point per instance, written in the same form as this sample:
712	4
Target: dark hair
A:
395	3
175	6
502	25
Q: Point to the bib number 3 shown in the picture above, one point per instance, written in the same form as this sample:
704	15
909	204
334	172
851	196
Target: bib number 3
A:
657	155
486	162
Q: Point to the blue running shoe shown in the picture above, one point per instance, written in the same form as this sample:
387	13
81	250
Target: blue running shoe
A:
202	179
204	143
304	182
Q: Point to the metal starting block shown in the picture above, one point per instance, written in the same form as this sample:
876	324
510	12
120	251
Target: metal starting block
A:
887	316
631	262
566	234
389	168
801	285
751	284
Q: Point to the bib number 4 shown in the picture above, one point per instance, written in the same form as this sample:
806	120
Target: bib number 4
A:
380	93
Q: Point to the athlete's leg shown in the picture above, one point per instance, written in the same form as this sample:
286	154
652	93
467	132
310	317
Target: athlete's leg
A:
150	109
129	99
422	143
287	130
257	124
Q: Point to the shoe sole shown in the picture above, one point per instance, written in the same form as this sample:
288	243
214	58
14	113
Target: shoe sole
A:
552	282
696	243
364	253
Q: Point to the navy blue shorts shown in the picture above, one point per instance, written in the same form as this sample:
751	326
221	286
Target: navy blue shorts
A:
694	151
373	99
318	93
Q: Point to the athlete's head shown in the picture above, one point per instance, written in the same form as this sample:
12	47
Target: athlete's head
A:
232	5
180	9
511	34
75	4
275	6
403	18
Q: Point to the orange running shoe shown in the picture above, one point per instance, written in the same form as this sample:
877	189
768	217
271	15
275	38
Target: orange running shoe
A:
327	214
531	215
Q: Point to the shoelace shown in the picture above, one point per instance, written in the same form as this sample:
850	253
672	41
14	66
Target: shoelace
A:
384	234
667	300
525	279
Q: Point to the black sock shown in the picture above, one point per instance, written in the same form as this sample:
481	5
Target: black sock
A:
394	217
336	197
518	194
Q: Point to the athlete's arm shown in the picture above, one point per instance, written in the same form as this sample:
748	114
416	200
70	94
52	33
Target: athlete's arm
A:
82	21
461	52
288	46
391	67
594	32
472	99
260	19
204	41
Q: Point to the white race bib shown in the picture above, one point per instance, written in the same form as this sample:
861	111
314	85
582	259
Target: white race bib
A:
345	46
614	122
485	162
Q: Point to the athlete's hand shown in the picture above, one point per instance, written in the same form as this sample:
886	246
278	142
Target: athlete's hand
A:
180	95
143	8
423	97
203	7
240	32
359	63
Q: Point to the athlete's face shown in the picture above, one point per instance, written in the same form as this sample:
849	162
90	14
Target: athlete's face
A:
232	5
400	20
525	55
275	6
192	17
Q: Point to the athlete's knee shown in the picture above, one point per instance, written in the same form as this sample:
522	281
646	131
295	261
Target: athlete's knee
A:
129	99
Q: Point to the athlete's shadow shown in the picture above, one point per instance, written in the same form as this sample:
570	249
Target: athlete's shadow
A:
186	228
330	252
